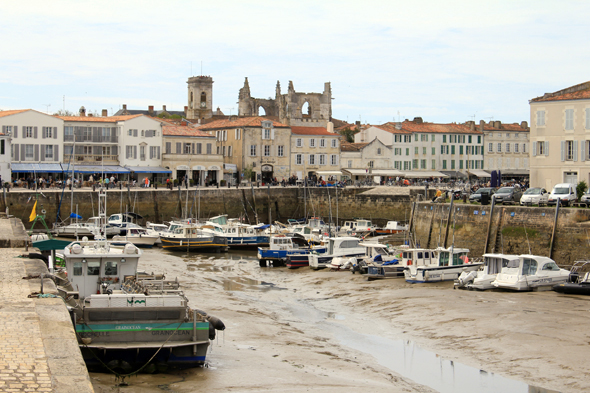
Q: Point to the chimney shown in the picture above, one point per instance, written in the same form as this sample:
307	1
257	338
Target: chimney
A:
164	108
471	125
124	107
358	122
398	126
497	124
185	110
481	125
151	109
330	127
82	111
183	123
524	125
418	120
105	113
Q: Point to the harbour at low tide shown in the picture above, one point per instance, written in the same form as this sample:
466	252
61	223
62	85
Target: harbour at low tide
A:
306	330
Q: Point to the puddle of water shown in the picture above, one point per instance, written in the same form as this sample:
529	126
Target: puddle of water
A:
428	368
244	284
211	267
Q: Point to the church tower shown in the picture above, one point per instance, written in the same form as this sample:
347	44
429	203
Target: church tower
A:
245	100
200	97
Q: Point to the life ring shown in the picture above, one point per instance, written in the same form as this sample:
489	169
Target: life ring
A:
409	262
353	233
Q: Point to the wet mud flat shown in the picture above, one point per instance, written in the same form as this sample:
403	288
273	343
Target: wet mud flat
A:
302	330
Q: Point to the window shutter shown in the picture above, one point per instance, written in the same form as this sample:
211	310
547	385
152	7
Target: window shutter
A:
193	148
158	152
178	148
534	148
4	130
15	131
43	132
16	152
546	148
134	152
35	133
562	150
575	151
583	151
42	152
168	147
55	133
36	151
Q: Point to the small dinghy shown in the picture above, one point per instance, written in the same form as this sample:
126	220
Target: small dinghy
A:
578	282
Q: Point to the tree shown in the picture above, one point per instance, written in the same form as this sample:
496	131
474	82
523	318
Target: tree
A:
581	189
64	112
349	133
248	173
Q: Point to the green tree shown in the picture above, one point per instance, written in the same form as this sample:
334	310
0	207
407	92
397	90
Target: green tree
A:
248	173
581	189
349	133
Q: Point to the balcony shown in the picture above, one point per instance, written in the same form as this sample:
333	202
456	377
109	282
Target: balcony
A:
91	159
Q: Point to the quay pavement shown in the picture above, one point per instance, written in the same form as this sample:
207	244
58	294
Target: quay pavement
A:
38	347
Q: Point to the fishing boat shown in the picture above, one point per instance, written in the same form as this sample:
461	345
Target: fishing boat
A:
346	246
282	247
138	236
240	235
358	226
483	277
390	228
441	264
578	282
190	237
531	272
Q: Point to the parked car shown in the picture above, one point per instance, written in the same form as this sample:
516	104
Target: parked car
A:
586	198
564	192
476	196
534	196
508	195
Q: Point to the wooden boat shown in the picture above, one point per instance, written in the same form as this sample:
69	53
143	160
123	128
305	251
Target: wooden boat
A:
189	237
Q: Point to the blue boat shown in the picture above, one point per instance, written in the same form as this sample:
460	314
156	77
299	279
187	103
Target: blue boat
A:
284	248
238	234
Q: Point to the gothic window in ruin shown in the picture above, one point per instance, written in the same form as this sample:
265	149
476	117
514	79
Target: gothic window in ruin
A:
258	111
306	110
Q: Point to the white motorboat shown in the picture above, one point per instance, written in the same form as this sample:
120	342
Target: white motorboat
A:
346	246
138	236
156	229
482	278
282	247
358	226
381	261
88	228
530	272
390	228
441	264
121	220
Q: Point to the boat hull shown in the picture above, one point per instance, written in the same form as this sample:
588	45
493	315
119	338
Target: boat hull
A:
573	288
213	243
247	241
426	274
297	261
141	241
380	272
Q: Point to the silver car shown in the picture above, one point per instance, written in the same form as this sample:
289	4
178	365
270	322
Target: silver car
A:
586	198
534	196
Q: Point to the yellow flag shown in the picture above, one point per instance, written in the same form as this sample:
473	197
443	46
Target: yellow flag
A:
33	213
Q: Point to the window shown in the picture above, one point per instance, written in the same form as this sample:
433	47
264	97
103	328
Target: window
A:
569	150
407	165
48	152
444	164
334	143
47	132
434	151
444	139
266	134
490	147
407	151
266	150
461	149
298	142
252	150
424	150
379	151
499	148
322	142
312	142
452	149
28	132
540	118
142	153
524	147
415	164
142	132
469	139
433	164
280	151
229	151
516	147
452	164
128	152
238	135
93	268
298	159
153	152
479	139
110	268
508	148
223	151
416	150
323	159
507	135
415	137
334	159
199	148
460	164
29	152
311	159
187	148
541	149
569	119
422	164
432	140
350	163
209	148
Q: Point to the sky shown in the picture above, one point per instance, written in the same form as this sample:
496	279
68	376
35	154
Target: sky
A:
445	61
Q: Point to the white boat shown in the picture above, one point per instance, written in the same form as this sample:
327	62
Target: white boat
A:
190	237
283	247
121	220
358	226
346	246
88	228
530	272
156	229
390	228
238	234
441	264
138	236
382	261
482	278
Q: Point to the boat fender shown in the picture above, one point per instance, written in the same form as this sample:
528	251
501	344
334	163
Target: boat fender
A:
216	322
409	262
211	331
201	312
37	256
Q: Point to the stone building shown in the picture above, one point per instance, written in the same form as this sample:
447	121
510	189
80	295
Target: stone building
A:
506	148
367	160
253	143
192	152
200	97
293	108
560	137
314	150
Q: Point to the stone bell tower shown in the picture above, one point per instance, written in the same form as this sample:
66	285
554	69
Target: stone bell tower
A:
200	97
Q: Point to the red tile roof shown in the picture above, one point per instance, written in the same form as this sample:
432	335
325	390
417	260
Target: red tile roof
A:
347	146
12	112
577	92
312	131
239	122
503	127
179	130
97	119
408	126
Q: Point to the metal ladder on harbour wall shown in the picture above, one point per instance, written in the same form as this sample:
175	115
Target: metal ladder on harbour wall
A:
498	240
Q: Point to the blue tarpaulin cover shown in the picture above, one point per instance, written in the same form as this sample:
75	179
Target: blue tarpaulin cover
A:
74	215
393	262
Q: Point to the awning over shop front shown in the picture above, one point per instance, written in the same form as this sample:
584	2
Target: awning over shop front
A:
148	169
515	172
386	172
455	174
479	173
423	174
99	169
329	173
38	167
357	172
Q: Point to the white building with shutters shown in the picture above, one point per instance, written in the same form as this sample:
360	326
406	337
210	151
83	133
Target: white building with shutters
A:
560	137
36	137
314	150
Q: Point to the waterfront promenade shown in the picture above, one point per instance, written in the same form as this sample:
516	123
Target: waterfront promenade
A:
38	348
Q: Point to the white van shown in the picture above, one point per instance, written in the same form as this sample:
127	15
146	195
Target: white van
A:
565	192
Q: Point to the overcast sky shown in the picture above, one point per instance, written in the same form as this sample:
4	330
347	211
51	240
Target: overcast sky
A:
446	61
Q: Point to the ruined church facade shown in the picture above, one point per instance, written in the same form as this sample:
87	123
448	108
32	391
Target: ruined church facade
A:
288	107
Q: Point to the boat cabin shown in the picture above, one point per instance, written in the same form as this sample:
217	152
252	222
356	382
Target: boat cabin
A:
341	244
494	263
418	257
92	265
395	226
282	242
220	220
452	256
530	265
